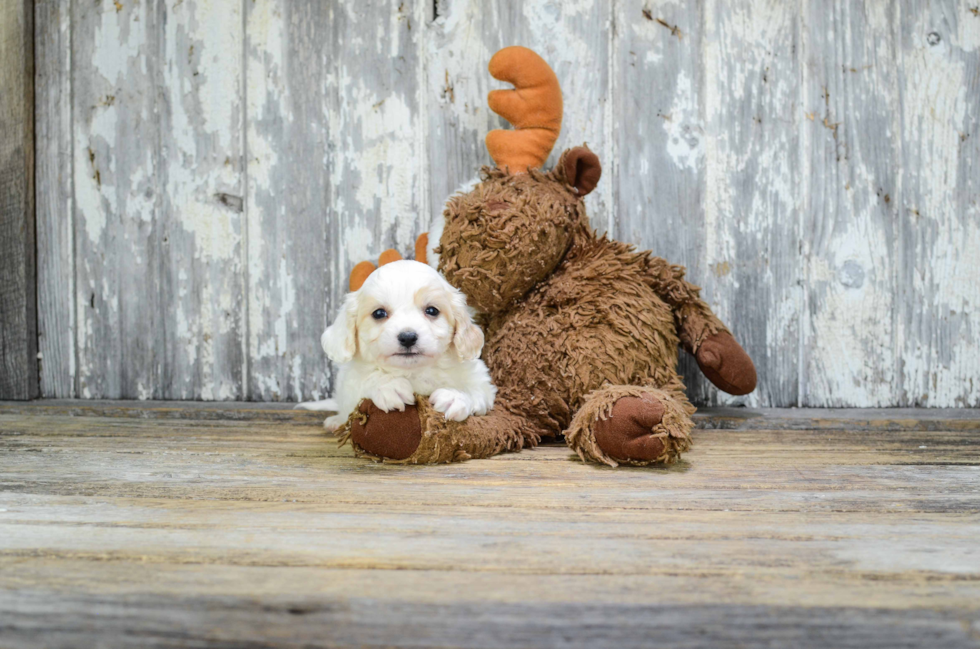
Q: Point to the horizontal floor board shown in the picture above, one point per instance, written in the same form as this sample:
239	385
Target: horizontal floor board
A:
185	530
155	621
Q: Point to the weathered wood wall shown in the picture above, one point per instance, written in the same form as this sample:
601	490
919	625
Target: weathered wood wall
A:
208	172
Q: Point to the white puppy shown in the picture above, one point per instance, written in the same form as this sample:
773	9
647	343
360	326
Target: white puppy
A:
407	331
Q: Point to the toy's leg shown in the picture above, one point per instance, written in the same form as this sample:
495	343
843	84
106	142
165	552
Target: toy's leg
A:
626	424
421	435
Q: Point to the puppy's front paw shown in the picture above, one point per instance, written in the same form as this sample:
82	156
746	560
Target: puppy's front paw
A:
393	394
455	405
334	422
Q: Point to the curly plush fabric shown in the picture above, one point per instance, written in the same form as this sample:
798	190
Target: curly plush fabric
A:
567	311
390	437
670	430
477	252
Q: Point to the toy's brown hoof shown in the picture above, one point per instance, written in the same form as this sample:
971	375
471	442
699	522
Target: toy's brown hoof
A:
393	435
627	435
726	364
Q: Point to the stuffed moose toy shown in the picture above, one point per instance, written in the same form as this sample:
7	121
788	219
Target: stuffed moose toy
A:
581	331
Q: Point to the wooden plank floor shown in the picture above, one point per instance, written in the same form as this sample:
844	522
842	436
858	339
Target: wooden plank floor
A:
155	525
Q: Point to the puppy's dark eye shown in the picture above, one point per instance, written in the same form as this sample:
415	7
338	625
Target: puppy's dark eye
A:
379	314
431	311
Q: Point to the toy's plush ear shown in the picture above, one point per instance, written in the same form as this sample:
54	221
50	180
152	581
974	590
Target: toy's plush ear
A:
582	169
339	341
468	338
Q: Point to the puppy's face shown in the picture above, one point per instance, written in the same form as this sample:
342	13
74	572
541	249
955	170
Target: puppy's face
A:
404	316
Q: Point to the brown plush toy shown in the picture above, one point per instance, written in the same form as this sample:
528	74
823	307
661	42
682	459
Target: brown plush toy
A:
581	331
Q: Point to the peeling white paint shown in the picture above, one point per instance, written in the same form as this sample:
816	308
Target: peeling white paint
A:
943	344
968	27
88	198
119	39
387	162
287	301
266	102
684	128
848	313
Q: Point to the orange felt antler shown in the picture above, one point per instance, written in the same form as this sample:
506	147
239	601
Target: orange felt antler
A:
361	271
421	246
534	107
360	274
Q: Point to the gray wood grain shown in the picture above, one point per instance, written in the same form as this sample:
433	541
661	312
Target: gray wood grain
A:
202	189
850	242
18	290
753	174
158	185
120	237
55	211
177	528
937	207
43	619
289	236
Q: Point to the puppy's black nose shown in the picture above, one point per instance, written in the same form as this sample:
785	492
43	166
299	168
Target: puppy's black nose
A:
408	338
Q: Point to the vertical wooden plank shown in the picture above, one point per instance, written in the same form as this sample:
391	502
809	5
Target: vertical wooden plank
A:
852	127
335	168
750	268
938	214
119	238
201	113
574	38
659	128
55	243
157	180
287	206
658	121
18	303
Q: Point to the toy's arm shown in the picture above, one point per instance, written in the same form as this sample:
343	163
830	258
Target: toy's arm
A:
701	333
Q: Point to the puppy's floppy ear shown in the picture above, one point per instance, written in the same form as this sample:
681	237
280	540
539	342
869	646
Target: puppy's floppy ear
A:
467	338
340	339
